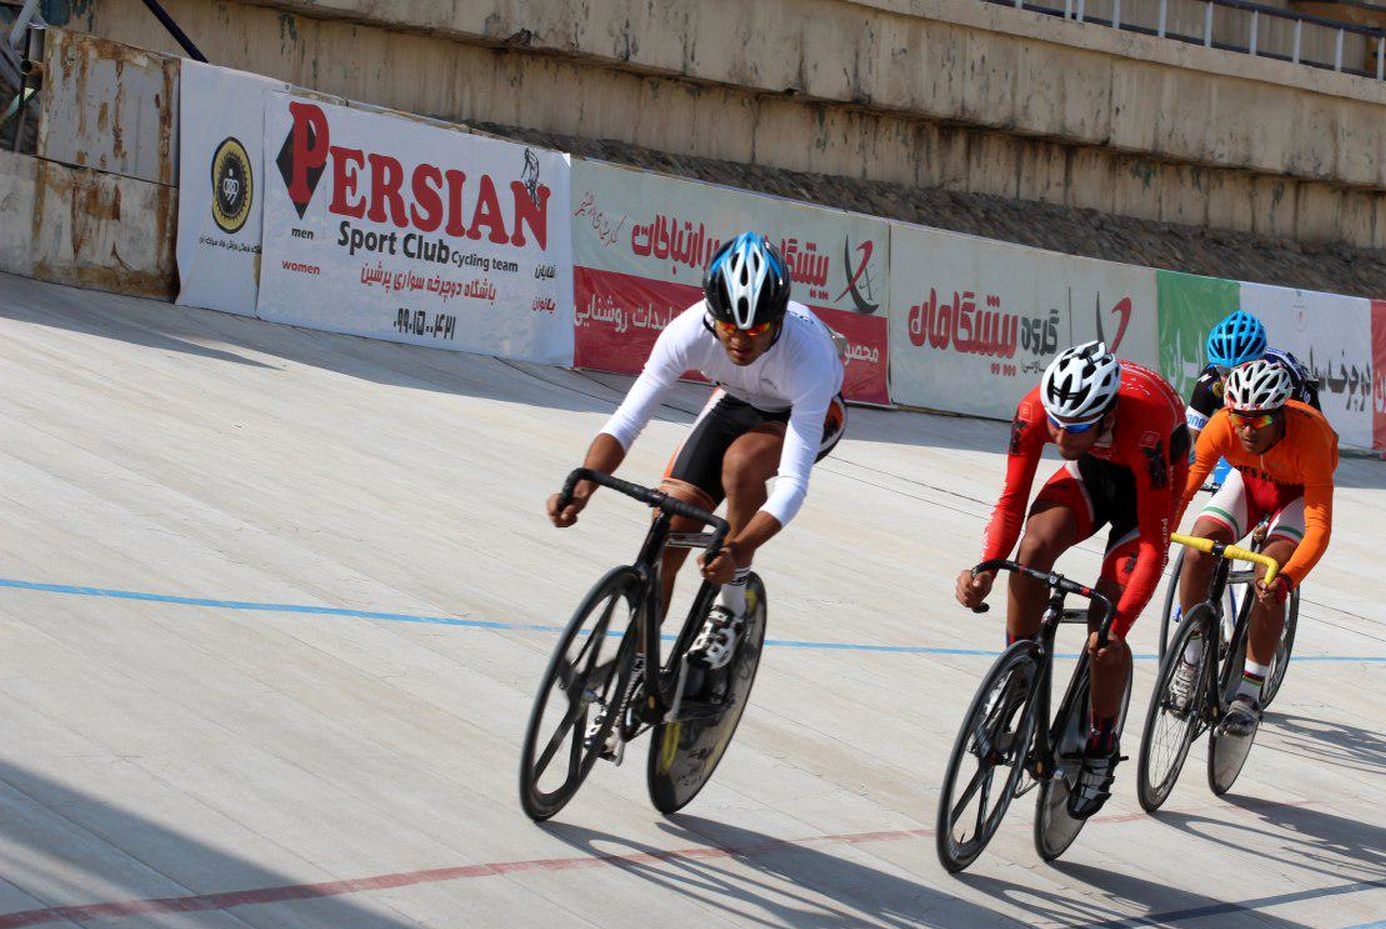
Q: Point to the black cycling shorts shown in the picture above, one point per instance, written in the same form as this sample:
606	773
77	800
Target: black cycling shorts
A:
698	461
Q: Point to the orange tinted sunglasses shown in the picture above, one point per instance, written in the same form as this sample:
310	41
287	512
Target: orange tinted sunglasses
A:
728	329
1254	420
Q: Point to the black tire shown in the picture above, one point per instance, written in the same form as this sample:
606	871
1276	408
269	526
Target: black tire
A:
1167	734
591	664
1276	676
685	753
1169	619
1055	829
1004	712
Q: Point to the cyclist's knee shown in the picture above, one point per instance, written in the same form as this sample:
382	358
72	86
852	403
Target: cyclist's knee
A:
1039	550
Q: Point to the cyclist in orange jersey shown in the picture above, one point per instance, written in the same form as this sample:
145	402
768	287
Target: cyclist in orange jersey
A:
1283	454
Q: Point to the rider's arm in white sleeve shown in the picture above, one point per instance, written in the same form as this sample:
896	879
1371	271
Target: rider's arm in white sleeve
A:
667	361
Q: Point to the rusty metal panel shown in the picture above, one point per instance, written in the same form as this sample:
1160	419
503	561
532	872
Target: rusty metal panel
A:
109	106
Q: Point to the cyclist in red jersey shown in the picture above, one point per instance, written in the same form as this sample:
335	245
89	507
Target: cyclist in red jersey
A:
1120	429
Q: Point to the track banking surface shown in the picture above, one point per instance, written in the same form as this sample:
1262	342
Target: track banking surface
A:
276	603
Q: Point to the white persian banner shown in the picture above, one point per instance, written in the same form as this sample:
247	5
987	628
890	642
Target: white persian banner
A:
383	226
1332	336
221	128
974	322
641	241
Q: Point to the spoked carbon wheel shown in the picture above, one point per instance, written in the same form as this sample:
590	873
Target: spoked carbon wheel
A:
1169	620
590	670
1281	663
685	752
1170	730
994	740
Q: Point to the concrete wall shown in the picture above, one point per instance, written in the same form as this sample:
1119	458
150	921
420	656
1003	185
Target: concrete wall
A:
950	93
87	228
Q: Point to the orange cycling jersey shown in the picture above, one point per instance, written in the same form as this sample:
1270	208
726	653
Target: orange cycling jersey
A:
1149	439
1300	464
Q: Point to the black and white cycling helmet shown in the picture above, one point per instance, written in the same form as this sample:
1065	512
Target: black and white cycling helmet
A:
1081	383
1260	385
746	283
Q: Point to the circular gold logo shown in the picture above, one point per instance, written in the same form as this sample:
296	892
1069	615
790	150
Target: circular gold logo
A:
232	185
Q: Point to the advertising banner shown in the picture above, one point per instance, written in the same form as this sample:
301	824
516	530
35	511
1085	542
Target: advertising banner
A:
642	240
1379	375
975	322
221	128
1332	336
382	226
1190	305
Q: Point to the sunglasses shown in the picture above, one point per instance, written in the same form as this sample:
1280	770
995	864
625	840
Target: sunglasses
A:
730	329
1254	420
1072	428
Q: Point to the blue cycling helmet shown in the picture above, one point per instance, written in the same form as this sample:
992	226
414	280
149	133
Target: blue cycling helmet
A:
746	283
1237	339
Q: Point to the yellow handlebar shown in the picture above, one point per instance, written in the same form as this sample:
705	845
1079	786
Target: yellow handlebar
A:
1229	551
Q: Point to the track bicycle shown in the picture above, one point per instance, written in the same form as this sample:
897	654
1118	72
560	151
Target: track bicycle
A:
597	695
1172	726
1237	596
1008	731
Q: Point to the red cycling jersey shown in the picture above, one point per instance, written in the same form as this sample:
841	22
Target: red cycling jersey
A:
1149	439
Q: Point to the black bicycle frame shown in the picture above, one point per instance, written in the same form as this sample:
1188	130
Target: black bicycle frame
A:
1059	588
647	566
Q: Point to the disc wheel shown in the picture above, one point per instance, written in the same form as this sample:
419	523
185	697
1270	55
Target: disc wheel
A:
685	752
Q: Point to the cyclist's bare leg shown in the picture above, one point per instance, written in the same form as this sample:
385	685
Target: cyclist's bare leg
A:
1198	566
674	557
1109	674
1050	530
747	467
1268	621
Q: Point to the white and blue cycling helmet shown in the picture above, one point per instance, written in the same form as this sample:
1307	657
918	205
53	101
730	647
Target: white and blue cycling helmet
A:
746	282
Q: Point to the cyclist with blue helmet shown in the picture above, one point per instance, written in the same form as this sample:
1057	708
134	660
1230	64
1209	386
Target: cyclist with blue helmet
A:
776	410
1237	339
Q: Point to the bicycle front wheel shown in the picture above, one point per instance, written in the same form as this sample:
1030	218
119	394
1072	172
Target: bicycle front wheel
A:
589	672
995	737
1170	728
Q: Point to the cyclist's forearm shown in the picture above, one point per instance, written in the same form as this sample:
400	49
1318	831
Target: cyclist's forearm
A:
761	529
604	454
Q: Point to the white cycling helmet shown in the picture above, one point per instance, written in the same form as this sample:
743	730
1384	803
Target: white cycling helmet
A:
1256	386
1081	383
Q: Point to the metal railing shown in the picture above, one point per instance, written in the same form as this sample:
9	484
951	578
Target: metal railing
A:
1255	20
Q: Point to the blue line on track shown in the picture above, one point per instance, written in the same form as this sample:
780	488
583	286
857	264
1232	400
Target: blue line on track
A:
305	609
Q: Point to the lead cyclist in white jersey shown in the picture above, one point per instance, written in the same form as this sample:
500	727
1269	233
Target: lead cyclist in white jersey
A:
775	411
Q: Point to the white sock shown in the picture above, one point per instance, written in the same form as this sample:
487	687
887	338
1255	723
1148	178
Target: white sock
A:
1253	676
1194	650
733	595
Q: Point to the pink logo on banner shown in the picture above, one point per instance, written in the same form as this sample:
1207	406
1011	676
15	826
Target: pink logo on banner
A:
1379	375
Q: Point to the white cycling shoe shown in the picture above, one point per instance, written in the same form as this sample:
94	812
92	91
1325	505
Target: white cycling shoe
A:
716	643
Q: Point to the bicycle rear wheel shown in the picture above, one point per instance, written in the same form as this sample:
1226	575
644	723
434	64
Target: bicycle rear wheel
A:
995	735
1281	663
1227	754
591	665
685	752
1169	731
1055	829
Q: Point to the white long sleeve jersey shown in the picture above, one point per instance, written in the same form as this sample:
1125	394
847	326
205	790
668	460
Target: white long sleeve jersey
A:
801	373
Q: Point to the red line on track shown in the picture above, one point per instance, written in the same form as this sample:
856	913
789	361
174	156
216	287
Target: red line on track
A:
288	892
